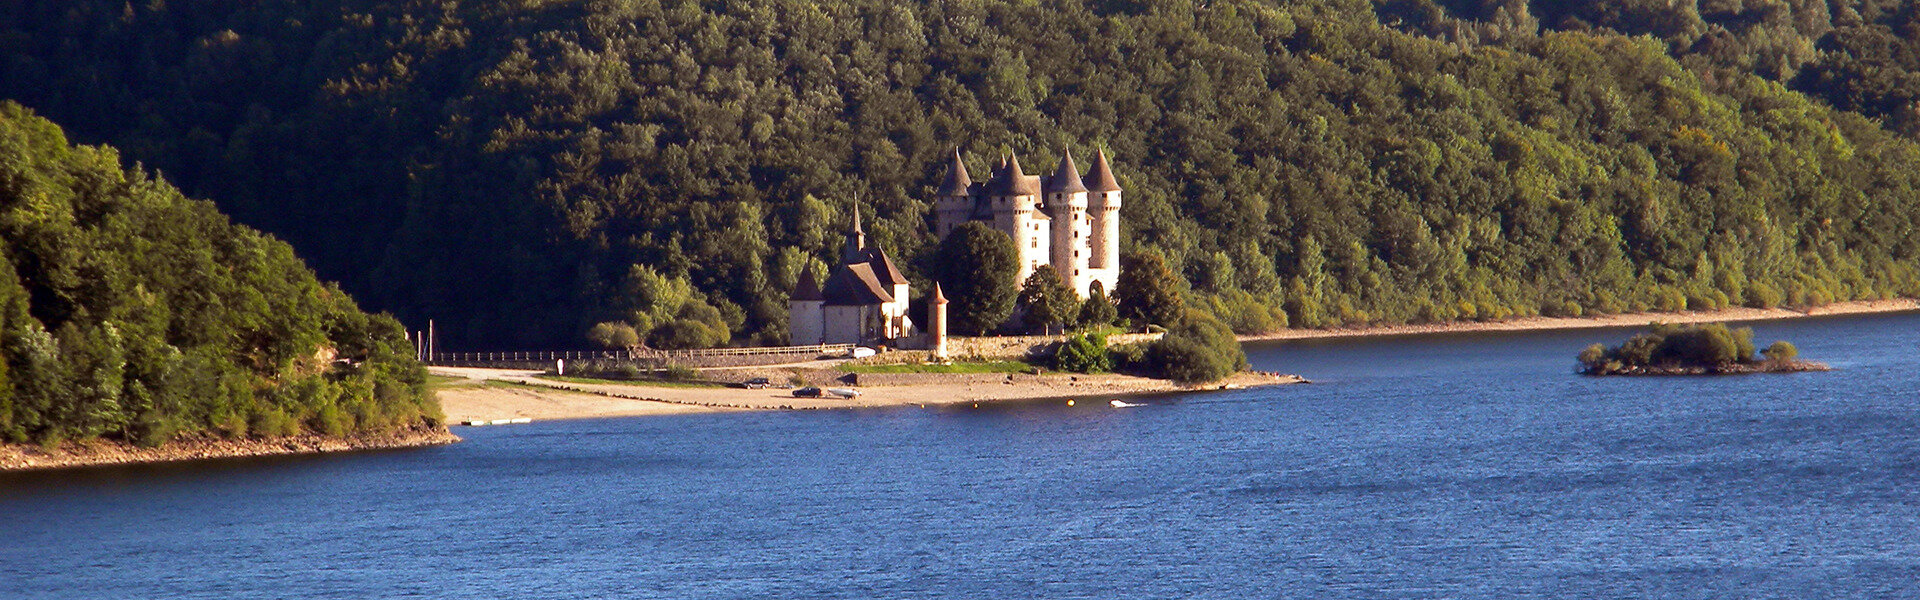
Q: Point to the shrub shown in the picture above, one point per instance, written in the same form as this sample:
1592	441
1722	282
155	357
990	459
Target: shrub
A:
1200	350
679	373
1712	344
1085	353
1780	351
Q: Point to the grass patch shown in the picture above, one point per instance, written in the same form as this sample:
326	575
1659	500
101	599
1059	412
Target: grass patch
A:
515	385
442	381
1008	366
634	382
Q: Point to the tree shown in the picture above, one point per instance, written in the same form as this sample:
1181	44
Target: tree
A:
614	334
1148	291
1098	310
977	265
130	311
1047	300
1781	351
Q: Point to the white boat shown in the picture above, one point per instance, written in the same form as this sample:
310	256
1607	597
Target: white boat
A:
1121	404
844	392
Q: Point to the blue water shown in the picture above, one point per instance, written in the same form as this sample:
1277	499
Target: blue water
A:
1426	467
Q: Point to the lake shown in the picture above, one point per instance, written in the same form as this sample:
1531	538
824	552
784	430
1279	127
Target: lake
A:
1462	466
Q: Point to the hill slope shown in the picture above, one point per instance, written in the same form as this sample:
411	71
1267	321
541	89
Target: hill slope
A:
129	311
503	166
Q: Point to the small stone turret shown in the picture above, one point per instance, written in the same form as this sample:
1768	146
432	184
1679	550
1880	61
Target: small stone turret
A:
937	323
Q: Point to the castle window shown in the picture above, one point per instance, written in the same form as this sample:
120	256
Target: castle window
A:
1036	242
1076	272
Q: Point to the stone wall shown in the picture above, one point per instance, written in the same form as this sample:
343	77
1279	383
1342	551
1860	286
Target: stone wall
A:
1025	346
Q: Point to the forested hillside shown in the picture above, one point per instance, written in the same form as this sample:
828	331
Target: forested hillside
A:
129	311
520	170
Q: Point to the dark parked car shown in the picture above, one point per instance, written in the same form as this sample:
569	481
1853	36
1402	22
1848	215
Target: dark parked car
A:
807	392
757	383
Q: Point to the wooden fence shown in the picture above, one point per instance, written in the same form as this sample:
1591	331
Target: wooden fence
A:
472	358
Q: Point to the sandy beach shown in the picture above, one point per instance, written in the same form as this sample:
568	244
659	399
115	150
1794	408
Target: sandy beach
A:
1625	320
481	397
480	394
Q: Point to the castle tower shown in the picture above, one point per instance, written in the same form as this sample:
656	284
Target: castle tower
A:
804	306
937	323
1104	210
953	202
1072	229
1016	202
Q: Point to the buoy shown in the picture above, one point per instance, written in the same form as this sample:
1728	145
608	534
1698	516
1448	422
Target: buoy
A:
1069	403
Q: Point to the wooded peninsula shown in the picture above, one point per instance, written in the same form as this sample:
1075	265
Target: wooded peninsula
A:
521	172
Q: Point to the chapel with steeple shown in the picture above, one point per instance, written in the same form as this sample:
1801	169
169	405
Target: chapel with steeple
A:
1063	221
864	300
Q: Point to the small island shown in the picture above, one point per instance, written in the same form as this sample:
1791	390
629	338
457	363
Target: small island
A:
1709	349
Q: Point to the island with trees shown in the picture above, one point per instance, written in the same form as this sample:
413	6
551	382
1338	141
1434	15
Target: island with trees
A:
1709	349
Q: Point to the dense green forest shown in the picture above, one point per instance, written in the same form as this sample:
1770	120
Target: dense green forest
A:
520	170
130	311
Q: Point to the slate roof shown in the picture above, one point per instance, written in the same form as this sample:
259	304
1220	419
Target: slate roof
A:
958	184
883	269
855	285
1012	182
806	288
1067	178
1101	179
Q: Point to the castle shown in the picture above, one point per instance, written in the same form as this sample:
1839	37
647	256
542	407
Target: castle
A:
1064	221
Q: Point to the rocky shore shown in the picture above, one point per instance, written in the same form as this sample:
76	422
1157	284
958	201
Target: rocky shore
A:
22	457
1771	366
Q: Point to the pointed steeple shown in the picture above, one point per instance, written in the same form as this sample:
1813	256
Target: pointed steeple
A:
1101	179
856	250
1066	178
807	289
957	179
938	296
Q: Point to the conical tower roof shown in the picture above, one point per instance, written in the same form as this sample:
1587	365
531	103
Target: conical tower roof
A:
1066	178
957	179
807	289
938	296
1013	182
1101	179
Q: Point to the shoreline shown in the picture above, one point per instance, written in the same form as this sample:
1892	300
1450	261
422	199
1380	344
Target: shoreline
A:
1641	319
28	457
530	397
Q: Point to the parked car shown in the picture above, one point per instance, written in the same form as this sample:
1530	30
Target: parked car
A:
757	383
862	352
807	392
